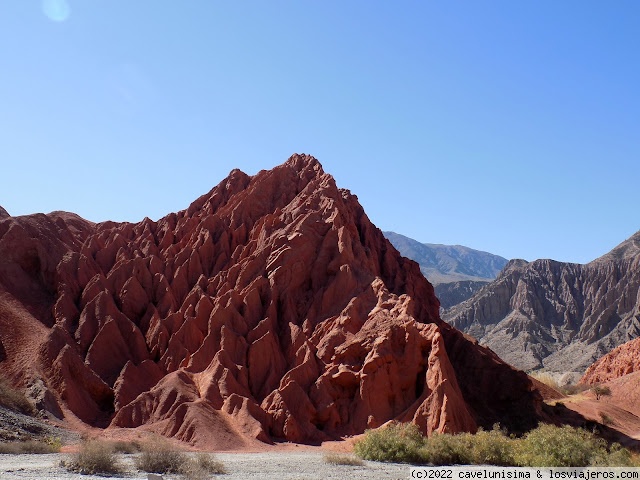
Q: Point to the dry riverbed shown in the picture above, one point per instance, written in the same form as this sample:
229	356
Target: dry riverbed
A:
306	465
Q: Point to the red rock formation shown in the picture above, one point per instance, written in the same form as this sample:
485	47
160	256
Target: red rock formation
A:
621	361
271	308
31	247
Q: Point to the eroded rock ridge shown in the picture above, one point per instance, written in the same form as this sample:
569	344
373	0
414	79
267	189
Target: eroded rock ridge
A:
271	308
554	315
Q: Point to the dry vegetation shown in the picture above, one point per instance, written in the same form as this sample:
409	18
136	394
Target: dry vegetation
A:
202	466
98	457
546	378
605	419
551	380
342	459
49	445
601	391
158	456
95	458
546	445
127	448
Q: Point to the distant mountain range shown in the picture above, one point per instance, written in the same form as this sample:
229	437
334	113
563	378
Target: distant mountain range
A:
448	263
554	315
456	272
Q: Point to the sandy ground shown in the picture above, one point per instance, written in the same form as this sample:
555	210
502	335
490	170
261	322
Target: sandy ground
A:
263	466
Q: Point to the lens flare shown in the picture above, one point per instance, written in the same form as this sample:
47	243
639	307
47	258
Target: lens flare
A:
56	10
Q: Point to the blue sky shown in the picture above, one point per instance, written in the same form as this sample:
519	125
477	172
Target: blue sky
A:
511	127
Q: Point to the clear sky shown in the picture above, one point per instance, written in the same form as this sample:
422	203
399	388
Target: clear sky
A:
507	126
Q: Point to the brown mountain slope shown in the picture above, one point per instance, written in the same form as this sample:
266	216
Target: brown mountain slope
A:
270	309
555	315
450	294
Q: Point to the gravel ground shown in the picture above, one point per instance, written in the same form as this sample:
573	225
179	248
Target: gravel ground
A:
262	466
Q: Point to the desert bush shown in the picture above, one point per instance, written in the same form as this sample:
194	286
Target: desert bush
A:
605	419
545	446
127	448
201	467
601	391
54	443
30	446
492	447
94	458
446	449
341	459
14	399
617	456
567	446
550	446
397	442
159	456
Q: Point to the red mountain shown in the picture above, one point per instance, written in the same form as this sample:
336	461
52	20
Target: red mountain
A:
271	308
619	362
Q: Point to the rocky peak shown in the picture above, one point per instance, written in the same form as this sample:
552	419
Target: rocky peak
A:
512	265
629	249
271	308
302	162
4	213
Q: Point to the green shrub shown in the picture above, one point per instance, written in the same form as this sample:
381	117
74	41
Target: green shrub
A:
545	446
445	449
95	458
492	448
616	457
340	459
14	399
550	446
397	442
